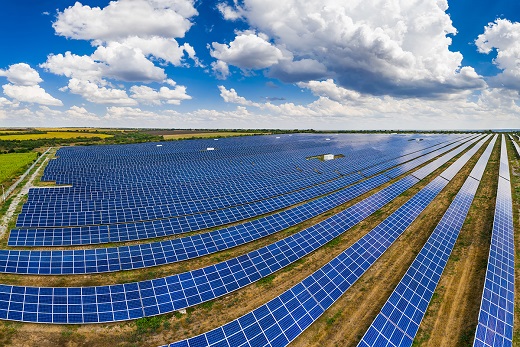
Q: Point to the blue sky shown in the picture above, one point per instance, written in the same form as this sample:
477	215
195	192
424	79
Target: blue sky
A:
323	64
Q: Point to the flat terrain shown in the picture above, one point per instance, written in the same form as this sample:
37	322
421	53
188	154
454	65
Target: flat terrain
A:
450	320
188	135
52	135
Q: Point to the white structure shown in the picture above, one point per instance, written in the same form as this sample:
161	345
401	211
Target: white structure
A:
210	149
328	156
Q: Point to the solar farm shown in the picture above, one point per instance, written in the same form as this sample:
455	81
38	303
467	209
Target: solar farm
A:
268	240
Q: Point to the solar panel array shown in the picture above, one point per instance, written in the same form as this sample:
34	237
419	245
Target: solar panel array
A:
169	251
496	315
151	297
398	321
282	319
104	233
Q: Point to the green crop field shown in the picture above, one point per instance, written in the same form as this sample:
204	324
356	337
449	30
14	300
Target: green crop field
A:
13	164
51	135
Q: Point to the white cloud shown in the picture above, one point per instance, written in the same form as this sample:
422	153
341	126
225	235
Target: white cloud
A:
32	94
504	36
21	74
228	12
247	51
125	18
130	37
340	108
99	95
81	114
162	48
404	52
149	95
127	63
220	69
74	66
126	60
6	103
231	96
330	90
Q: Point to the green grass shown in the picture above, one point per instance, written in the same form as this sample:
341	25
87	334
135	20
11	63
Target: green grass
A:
14	164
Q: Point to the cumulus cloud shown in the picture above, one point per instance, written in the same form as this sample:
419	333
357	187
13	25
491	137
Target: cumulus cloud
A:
504	36
74	66
403	53
81	114
248	51
220	69
124	18
21	74
228	12
32	94
340	108
99	95
149	95
131	38
127	64
231	96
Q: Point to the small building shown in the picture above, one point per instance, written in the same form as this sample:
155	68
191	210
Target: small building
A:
210	149
328	156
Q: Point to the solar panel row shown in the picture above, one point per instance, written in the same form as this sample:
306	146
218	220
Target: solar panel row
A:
496	315
282	319
151	297
399	319
517	148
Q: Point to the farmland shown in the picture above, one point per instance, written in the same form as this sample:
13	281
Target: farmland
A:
200	238
51	135
13	164
204	135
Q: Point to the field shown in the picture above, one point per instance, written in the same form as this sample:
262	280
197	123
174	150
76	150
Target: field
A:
189	135
250	202
13	164
52	135
80	129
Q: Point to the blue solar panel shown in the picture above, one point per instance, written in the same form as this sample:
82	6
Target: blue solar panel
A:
294	310
161	295
496	316
399	319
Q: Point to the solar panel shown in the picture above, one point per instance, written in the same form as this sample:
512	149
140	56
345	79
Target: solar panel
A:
496	315
399	319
